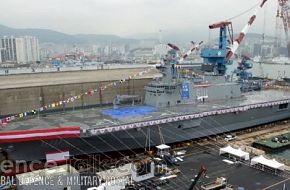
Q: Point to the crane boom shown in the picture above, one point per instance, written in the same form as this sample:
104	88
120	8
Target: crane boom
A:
220	24
202	170
283	13
217	57
244	32
173	46
190	51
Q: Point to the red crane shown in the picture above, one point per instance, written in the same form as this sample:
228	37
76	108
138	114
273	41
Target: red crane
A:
176	48
244	32
202	170
283	13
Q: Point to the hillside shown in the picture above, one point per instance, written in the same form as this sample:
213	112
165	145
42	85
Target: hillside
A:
45	35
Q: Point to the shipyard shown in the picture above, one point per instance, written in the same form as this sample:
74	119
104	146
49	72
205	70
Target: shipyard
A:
99	101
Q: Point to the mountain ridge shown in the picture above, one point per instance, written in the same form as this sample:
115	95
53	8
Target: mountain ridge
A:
47	35
51	36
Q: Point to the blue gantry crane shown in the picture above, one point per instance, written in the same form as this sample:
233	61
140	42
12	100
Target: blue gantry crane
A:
215	59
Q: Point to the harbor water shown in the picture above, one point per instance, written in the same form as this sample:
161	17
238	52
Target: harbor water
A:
273	71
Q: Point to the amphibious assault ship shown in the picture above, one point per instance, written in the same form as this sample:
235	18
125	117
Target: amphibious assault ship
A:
181	105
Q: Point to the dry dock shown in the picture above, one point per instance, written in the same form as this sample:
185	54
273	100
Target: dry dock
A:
24	92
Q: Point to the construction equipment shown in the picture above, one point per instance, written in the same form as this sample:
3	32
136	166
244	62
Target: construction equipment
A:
175	58
283	13
195	47
245	77
216	59
184	56
244	32
202	170
219	183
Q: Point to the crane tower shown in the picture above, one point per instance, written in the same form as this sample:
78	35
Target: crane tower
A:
283	23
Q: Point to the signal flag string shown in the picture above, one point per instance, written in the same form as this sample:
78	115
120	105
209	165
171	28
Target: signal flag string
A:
4	121
56	104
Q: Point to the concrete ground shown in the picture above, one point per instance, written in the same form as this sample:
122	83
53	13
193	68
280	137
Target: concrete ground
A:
239	176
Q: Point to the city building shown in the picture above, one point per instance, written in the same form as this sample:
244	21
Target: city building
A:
9	44
142	55
2	55
20	50
21	56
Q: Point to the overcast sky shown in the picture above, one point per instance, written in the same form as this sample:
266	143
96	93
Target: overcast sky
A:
128	17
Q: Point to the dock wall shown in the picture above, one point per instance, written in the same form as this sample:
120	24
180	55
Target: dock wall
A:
21	98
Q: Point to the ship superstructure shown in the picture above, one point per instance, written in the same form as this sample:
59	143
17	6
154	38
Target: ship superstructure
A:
176	88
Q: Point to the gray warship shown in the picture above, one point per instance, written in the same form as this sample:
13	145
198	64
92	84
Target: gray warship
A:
181	105
178	107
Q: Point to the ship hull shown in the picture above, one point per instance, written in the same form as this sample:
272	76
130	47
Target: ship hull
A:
139	138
